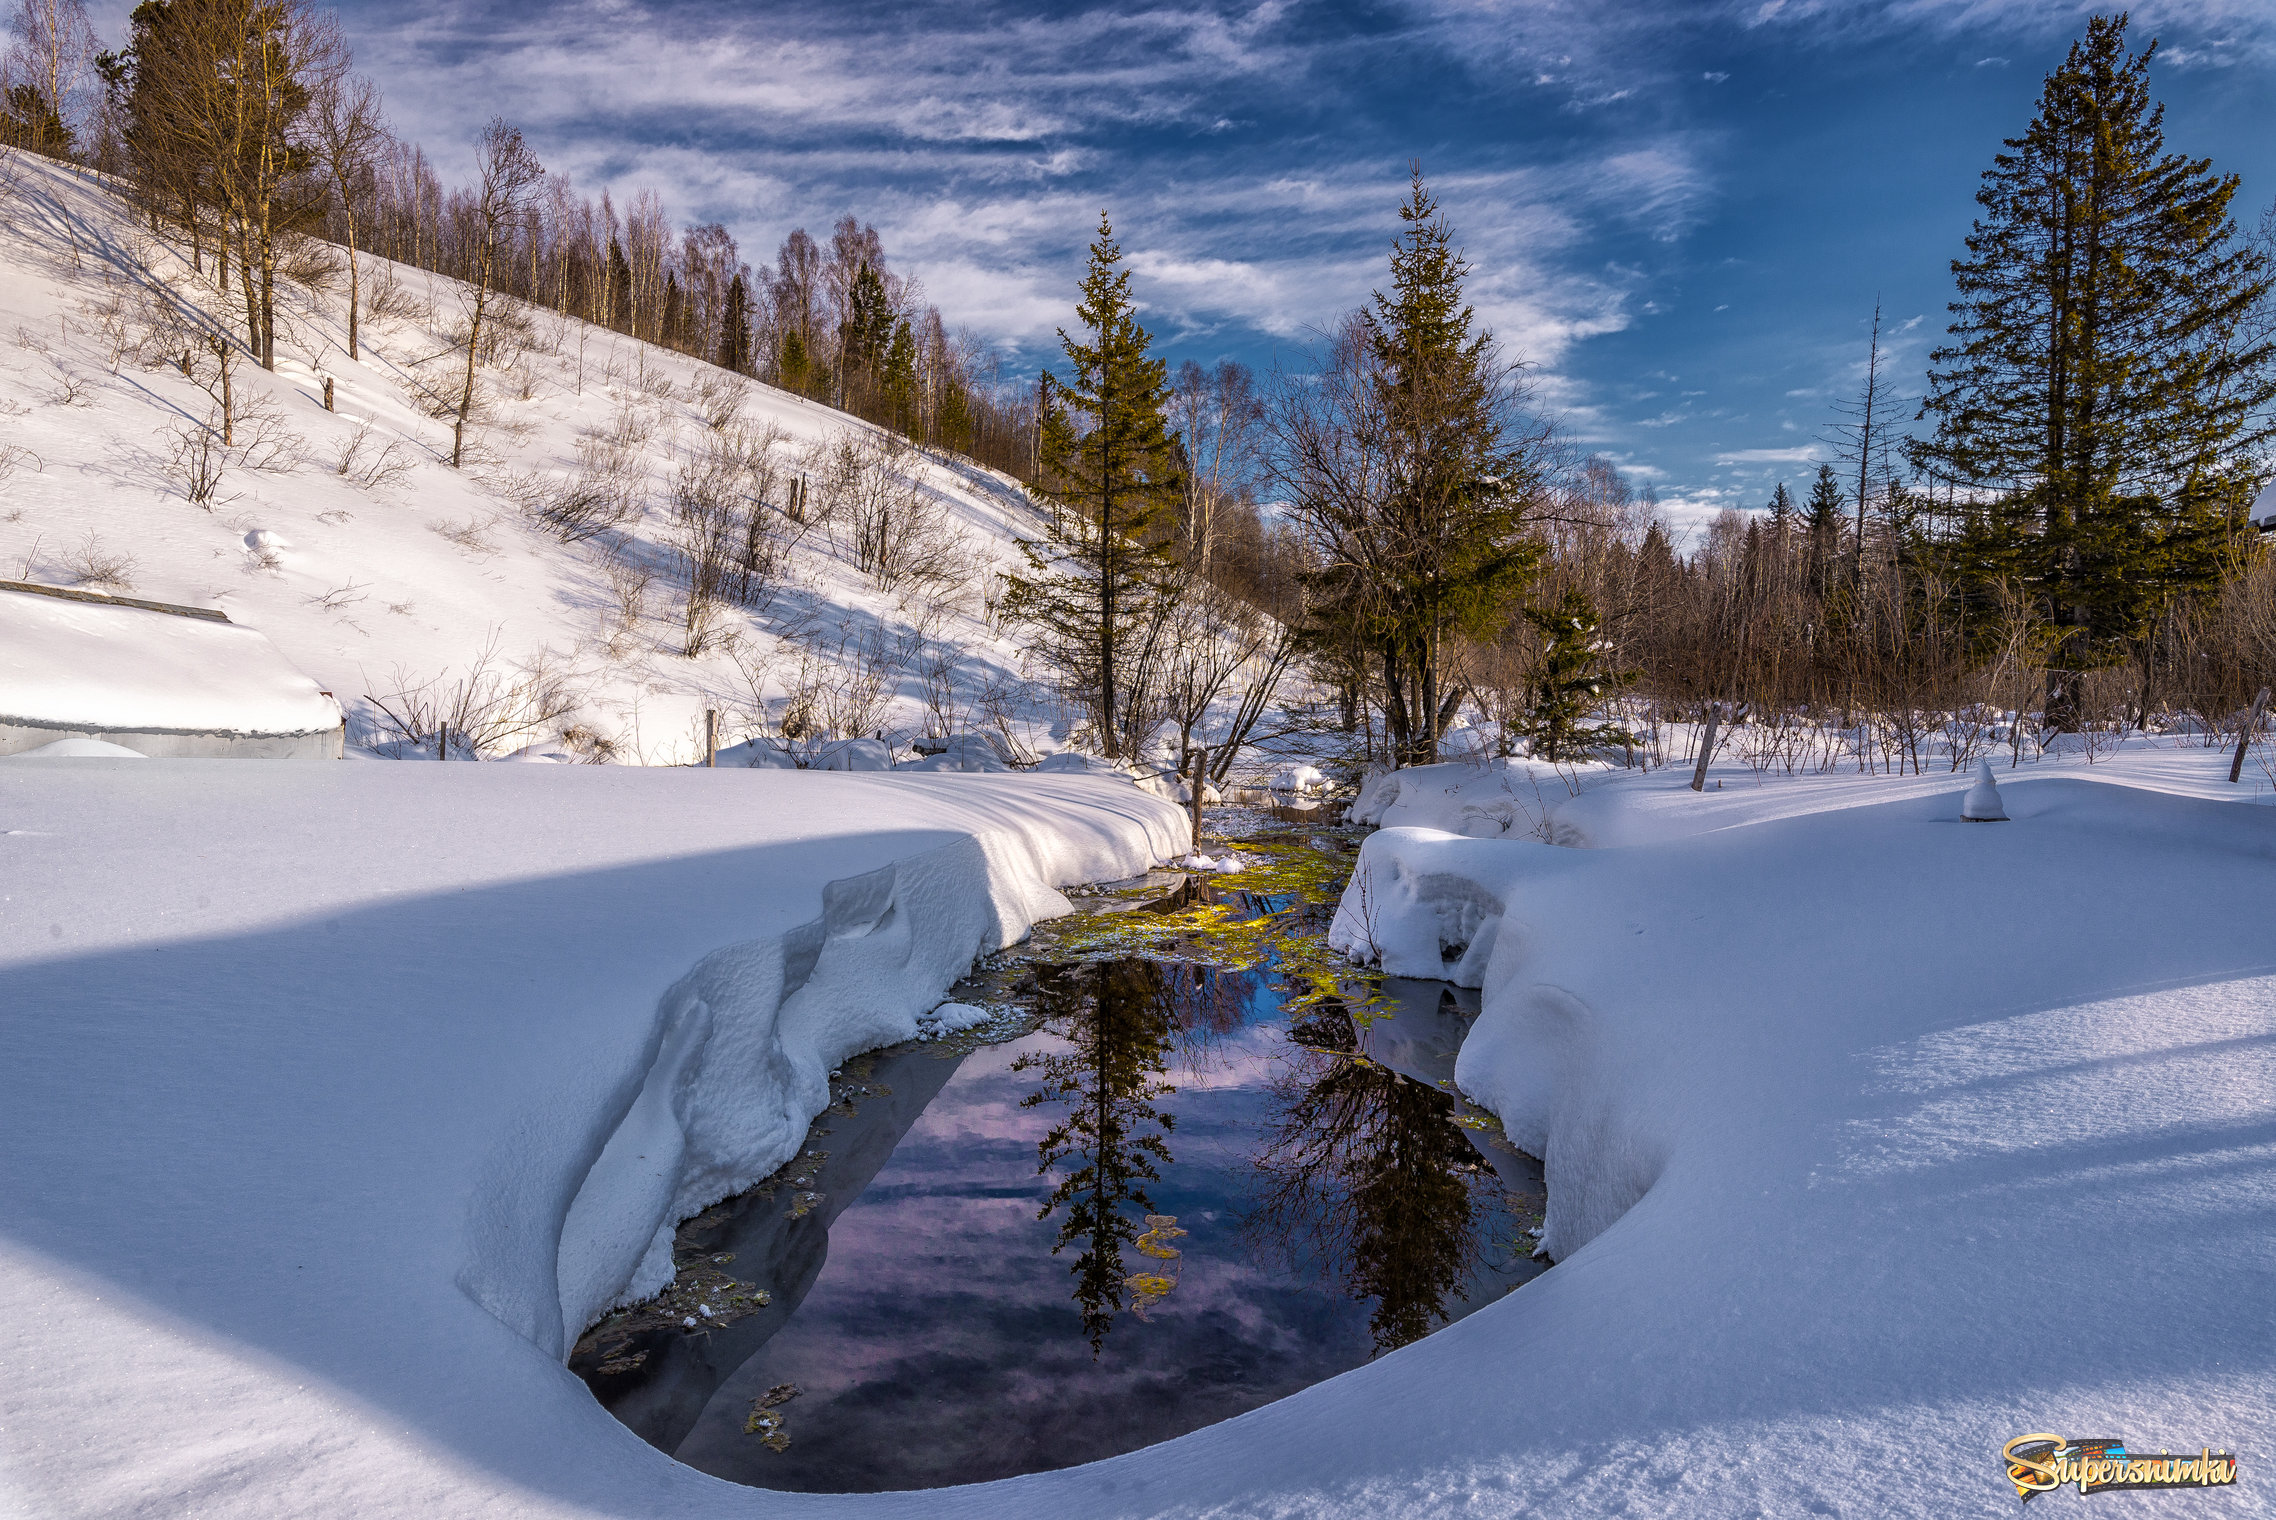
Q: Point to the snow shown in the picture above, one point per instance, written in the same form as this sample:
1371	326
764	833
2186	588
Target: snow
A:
1484	799
1873	1140
87	665
77	749
1298	776
1869	1136
334	1099
372	565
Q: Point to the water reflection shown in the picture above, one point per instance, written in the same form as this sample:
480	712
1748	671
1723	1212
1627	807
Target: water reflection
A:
1364	1179
1010	1294
1117	1019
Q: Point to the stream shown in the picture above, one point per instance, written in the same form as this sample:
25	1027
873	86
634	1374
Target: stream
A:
1192	1165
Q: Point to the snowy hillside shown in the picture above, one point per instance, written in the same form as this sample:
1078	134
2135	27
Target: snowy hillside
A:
404	585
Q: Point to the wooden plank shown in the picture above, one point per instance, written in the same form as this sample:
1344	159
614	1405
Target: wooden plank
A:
103	599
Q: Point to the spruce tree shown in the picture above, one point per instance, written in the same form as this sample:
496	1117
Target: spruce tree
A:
898	381
2099	397
735	328
1111	484
1571	684
1822	519
1440	552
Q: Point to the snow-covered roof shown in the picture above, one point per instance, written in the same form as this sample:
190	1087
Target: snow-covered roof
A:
76	660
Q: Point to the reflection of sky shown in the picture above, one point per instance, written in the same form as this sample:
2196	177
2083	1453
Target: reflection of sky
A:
941	1343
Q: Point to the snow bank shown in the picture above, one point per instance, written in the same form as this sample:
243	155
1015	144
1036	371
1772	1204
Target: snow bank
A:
105	667
345	1095
1484	799
1874	1140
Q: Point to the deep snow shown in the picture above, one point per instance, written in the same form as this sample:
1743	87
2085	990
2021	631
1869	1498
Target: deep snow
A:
1874	1139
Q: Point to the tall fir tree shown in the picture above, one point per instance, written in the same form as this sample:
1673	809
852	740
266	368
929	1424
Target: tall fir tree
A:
1110	475
735	328
1822	519
1442	554
2099	396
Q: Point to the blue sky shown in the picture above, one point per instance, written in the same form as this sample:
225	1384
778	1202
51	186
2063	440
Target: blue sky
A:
1681	214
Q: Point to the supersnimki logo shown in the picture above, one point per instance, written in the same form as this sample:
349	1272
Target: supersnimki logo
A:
2040	1463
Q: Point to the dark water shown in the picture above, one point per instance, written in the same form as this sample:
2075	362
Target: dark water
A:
1171	1204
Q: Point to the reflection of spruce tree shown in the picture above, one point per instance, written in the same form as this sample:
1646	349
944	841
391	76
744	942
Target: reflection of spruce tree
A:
1359	1178
1119	1024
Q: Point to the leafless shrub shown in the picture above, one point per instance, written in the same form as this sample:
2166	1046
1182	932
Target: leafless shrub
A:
708	530
13	457
198	458
629	579
610	488
386	296
853	678
719	398
900	530
371	461
471	535
71	387
339	598
310	263
491	704
264	444
98	568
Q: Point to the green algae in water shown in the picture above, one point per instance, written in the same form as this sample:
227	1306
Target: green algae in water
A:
1271	914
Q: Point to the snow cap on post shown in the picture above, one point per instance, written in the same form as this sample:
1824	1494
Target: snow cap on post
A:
1982	804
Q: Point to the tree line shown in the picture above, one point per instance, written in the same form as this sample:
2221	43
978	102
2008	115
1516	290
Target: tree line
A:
242	126
2054	537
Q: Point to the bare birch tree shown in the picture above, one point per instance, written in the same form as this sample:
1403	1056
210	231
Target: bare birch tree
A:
508	173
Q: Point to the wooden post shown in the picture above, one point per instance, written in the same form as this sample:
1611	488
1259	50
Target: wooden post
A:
442	741
1706	749
2244	738
327	393
1200	757
711	737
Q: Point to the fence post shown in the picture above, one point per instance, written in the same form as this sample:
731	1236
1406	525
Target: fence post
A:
711	737
2244	738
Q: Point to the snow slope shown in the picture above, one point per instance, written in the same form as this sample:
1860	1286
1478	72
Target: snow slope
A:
368	560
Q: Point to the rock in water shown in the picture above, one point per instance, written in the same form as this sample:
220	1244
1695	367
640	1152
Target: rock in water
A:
1982	804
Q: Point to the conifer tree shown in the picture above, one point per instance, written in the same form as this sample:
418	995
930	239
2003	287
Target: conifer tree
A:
898	381
1446	551
1111	483
796	368
735	328
1571	684
1822	519
2099	395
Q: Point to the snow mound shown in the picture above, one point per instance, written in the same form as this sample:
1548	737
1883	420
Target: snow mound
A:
73	664
78	749
853	755
1492	799
1297	776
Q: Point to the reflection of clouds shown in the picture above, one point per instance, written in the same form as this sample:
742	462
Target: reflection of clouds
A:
944	1342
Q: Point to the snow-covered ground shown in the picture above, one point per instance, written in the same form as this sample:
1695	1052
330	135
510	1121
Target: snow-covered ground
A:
347	538
335	1096
336	1099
